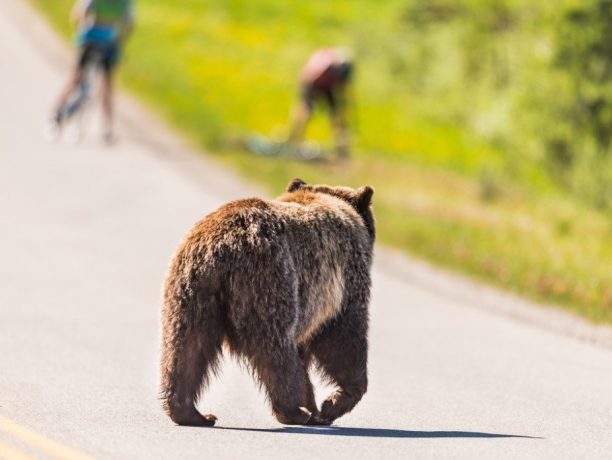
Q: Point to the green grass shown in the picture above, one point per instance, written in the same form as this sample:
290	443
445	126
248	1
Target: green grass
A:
221	69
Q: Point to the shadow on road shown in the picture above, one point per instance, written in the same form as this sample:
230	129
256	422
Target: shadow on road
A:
378	432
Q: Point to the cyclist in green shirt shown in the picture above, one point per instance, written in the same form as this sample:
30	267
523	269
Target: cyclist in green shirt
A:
103	27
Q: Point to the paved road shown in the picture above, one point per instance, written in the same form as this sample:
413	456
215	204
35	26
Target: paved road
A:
85	236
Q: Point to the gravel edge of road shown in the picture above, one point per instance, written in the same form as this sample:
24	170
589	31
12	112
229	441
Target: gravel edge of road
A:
475	294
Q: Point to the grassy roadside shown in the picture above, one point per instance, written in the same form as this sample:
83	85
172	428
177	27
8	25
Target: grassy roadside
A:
220	69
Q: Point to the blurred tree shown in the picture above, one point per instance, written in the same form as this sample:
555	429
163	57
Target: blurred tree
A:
578	146
585	50
535	78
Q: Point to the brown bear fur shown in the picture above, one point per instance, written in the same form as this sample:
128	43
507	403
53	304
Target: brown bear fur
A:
283	283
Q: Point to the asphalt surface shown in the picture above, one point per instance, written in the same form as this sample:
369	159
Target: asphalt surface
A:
86	233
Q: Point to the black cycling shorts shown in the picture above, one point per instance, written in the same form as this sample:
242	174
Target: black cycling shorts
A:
310	94
330	91
107	55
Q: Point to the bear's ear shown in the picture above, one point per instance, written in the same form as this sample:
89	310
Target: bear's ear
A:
295	185
364	197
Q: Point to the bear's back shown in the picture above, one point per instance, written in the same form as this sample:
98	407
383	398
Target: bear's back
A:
254	224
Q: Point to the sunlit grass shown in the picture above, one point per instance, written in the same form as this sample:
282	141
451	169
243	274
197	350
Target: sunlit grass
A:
220	70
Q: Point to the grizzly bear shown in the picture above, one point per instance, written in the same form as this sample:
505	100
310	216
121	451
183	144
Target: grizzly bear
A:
284	284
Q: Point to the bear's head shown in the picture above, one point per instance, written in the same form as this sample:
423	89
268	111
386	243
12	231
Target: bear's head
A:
360	199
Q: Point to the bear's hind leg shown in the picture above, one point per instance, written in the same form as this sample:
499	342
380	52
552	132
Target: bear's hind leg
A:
189	356
283	374
311	403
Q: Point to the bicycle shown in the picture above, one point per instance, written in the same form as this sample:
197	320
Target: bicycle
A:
309	151
75	112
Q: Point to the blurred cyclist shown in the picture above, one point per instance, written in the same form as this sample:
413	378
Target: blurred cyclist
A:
103	26
325	76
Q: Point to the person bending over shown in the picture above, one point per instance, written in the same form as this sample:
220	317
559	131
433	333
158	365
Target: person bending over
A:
326	77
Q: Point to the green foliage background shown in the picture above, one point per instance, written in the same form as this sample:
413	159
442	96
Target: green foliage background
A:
484	125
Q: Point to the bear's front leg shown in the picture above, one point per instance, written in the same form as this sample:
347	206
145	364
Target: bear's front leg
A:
341	351
341	401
